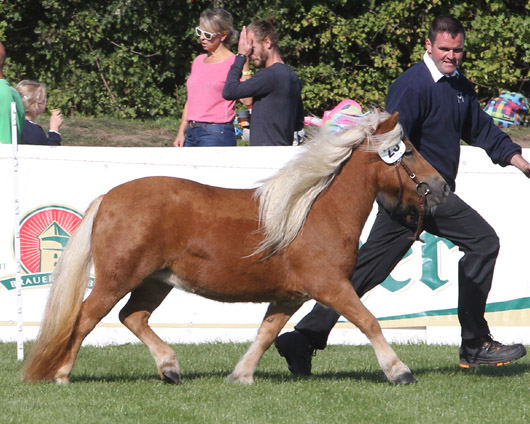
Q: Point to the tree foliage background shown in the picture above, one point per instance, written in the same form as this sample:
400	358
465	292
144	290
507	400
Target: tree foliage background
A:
131	58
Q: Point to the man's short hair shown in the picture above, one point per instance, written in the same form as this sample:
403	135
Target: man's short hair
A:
265	28
445	24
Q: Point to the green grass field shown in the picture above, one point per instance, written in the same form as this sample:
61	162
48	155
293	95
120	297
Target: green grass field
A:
119	384
109	132
80	131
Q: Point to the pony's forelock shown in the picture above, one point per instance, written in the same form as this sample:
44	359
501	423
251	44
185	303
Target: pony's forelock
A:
286	197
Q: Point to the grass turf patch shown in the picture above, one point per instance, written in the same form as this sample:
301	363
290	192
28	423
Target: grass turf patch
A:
120	384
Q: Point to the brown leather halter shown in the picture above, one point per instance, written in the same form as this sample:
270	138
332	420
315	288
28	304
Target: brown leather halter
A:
422	189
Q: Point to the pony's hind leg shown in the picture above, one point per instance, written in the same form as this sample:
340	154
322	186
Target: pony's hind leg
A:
275	319
94	308
135	315
345	301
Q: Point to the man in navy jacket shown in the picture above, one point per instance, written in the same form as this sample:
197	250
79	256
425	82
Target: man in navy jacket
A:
437	108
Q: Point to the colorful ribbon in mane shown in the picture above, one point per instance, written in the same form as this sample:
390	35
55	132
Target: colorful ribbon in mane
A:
345	114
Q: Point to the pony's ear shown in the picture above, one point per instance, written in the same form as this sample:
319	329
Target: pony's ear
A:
388	125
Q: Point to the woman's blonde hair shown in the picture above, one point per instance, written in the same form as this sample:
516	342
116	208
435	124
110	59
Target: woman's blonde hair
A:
32	93
219	20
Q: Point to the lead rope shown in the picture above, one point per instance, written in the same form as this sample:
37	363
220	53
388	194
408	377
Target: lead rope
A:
423	190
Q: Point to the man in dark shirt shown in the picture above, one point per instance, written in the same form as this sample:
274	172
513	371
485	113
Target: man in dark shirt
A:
277	110
437	108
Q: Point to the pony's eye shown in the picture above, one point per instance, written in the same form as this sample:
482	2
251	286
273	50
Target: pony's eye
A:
409	152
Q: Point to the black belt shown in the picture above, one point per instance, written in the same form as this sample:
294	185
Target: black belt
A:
197	124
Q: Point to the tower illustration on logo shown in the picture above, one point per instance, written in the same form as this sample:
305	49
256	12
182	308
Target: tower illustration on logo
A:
52	242
44	233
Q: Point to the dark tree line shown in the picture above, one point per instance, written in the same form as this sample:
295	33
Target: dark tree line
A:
131	58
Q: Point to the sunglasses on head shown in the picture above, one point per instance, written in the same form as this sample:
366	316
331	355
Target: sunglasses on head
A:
207	35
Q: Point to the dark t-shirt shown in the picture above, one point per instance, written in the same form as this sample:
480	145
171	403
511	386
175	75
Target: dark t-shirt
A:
277	109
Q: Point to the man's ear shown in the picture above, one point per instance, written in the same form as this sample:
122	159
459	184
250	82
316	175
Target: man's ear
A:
428	46
267	42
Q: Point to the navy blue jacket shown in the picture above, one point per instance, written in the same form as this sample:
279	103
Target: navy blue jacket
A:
34	134
437	115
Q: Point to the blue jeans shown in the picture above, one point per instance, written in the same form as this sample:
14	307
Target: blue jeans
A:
211	135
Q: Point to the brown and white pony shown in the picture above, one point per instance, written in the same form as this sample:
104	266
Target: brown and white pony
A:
294	238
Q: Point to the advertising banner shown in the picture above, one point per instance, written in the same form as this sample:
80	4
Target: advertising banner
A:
417	302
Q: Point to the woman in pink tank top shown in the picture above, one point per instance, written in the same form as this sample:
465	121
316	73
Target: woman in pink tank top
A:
207	118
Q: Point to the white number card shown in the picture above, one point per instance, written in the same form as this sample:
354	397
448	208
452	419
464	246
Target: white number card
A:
393	154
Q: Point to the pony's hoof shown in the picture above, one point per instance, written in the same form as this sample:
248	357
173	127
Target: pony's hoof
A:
61	378
405	378
232	378
171	377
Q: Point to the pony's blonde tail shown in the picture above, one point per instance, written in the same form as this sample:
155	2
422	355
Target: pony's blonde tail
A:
70	279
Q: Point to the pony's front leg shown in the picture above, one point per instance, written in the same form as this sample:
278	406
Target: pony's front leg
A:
345	301
276	317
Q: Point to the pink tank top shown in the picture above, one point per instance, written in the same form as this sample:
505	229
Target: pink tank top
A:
205	87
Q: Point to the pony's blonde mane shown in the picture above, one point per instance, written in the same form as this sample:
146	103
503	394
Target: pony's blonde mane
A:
286	197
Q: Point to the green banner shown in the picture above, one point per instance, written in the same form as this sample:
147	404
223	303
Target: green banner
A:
34	280
29	280
509	305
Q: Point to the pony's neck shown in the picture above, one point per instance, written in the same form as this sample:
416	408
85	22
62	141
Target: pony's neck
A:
351	195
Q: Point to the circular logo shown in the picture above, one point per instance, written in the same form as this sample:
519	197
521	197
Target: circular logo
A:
44	233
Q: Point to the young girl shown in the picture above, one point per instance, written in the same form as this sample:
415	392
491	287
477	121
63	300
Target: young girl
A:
33	95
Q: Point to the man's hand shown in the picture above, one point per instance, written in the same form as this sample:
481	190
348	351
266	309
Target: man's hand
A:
244	47
519	162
